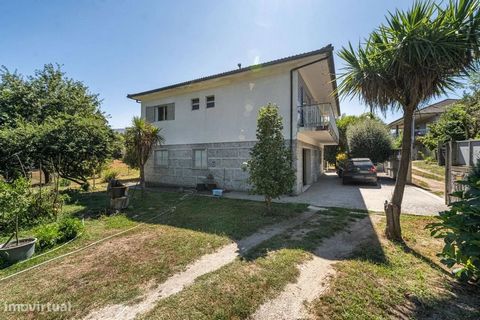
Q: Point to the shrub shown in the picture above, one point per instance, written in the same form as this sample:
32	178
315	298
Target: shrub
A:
369	138
14	202
110	175
69	228
460	229
270	169
47	235
64	182
341	158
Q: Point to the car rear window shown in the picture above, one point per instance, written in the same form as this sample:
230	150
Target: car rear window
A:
363	164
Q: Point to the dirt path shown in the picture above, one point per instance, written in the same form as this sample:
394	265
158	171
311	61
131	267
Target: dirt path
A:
207	263
316	273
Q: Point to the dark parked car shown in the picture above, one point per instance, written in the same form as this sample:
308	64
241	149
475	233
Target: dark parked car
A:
359	170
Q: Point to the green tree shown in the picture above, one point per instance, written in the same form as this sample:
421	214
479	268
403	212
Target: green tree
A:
271	174
369	138
343	123
51	121
140	139
414	57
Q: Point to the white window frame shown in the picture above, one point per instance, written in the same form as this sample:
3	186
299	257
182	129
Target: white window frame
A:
161	162
164	109
203	159
195	104
210	102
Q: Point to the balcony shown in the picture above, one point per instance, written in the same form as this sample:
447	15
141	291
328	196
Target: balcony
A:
318	121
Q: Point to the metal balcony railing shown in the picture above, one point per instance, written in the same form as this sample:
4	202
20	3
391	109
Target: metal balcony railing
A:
318	117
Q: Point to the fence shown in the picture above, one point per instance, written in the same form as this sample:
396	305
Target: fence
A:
460	157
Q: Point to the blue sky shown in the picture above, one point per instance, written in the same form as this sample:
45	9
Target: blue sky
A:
118	47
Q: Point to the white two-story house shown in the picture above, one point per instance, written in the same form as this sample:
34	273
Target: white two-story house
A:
209	124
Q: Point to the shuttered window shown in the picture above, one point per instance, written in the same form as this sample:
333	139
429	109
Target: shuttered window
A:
150	114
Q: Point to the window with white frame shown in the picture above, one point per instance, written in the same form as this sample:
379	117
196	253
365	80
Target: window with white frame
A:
166	112
210	101
195	104
161	158
200	159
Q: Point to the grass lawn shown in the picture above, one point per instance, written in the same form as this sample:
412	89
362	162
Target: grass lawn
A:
437	172
238	289
394	281
118	269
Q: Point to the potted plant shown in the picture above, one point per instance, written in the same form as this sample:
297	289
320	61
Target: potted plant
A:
14	203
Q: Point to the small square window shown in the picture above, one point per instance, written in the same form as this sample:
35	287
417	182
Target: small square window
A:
195	104
161	158
210	101
200	159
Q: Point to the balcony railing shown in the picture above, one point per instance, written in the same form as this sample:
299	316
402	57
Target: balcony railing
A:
318	117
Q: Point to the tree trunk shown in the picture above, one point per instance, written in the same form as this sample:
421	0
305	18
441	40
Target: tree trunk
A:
142	178
46	175
394	208
268	202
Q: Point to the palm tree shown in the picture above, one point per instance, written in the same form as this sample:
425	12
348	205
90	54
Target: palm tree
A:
417	55
140	139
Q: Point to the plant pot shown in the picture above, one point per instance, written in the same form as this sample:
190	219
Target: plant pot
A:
13	253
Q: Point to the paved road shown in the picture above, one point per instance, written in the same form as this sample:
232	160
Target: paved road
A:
329	192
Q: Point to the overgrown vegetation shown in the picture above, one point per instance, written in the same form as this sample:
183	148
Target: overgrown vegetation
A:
271	174
460	228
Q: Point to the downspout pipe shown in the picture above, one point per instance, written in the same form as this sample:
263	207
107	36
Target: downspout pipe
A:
291	100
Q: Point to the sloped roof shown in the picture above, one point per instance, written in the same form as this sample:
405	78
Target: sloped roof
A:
439	107
326	49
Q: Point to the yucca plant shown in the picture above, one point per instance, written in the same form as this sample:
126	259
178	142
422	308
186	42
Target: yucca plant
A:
418	54
140	139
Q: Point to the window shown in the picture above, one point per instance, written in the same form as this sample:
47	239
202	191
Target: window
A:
200	159
166	112
161	158
195	104
210	101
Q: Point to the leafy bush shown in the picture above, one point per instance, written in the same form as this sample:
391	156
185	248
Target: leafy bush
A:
47	235
110	175
369	138
69	228
64	182
460	229
14	202
45	206
341	158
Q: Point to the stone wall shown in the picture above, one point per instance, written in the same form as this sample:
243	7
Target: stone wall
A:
224	163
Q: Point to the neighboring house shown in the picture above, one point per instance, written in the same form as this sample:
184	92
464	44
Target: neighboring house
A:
209	124
422	118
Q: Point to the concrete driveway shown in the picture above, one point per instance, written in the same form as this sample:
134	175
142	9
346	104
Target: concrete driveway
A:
329	192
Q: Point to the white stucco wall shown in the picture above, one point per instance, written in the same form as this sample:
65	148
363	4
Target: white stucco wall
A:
234	116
